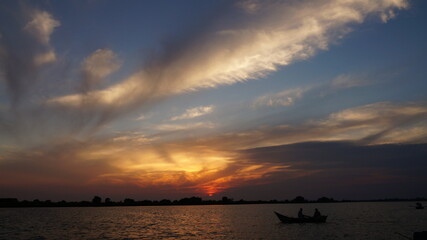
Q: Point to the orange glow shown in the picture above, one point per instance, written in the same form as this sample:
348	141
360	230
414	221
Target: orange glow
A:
210	190
184	167
242	176
197	171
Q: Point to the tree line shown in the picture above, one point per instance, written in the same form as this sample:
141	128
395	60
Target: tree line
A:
97	201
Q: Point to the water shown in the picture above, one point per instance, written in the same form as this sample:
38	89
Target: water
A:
345	221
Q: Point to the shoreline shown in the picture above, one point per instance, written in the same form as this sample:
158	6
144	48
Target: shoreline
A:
14	203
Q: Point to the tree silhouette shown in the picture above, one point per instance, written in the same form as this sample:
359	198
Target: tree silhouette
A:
192	200
299	199
129	201
96	200
165	201
325	199
227	200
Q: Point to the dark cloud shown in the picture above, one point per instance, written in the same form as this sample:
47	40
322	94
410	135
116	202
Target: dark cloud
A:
311	169
341	155
60	163
339	169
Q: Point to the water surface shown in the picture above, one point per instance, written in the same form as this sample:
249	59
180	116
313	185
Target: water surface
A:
345	221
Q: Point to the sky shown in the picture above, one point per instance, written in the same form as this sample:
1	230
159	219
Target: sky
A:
253	100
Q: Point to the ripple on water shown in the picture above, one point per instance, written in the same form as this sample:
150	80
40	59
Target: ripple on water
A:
346	221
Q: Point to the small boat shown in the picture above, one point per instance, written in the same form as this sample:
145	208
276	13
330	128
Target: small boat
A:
419	206
285	219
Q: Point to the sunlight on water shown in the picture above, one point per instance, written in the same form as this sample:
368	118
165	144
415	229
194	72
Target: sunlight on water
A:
345	221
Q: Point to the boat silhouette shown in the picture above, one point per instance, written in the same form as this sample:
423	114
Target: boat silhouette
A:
286	219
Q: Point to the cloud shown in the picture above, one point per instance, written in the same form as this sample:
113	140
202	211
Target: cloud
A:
130	160
349	81
387	15
41	26
317	150
231	51
139	139
212	165
194	112
371	124
369	112
378	123
66	163
283	98
141	117
125	160
250	6
288	97
24	49
335	155
239	46
97	66
44	58
180	127
336	167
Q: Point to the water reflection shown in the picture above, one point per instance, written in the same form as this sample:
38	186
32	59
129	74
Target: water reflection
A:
345	221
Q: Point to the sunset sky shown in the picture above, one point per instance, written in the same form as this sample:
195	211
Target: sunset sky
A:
246	99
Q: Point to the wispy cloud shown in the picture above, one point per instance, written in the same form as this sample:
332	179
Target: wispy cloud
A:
278	34
369	124
224	161
187	126
194	112
132	137
141	117
250	6
20	60
283	98
97	66
289	97
273	34
384	111
348	81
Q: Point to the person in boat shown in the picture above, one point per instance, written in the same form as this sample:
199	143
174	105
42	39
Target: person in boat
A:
316	213
300	214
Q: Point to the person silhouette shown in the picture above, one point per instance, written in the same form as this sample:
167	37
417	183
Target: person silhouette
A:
300	214
316	213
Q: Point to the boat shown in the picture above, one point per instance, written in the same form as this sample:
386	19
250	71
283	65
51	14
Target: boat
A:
285	219
419	206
